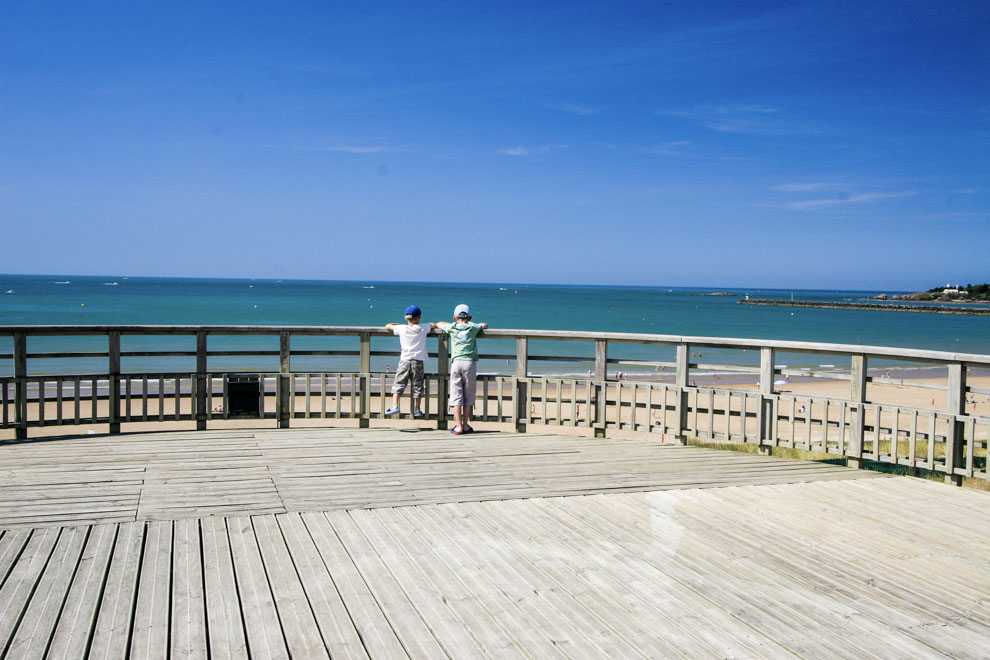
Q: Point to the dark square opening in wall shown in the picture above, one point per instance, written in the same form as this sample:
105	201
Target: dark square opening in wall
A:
244	395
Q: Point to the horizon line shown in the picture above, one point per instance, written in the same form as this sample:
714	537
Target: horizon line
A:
488	283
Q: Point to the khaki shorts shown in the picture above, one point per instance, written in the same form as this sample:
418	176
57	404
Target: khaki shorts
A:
463	382
409	370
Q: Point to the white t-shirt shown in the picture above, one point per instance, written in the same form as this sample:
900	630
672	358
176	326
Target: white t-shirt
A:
412	339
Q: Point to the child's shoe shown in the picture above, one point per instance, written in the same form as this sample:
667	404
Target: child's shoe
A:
391	411
418	414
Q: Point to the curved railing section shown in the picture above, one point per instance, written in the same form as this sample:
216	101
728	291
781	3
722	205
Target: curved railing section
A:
82	375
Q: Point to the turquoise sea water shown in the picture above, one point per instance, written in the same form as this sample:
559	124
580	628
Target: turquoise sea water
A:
49	300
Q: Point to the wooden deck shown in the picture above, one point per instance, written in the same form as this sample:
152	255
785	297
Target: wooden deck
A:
345	543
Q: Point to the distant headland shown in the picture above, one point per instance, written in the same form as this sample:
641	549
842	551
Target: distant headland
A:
969	294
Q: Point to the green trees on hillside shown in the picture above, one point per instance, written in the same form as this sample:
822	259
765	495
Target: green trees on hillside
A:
972	292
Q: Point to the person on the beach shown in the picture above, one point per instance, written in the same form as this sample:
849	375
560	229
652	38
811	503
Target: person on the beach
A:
464	365
412	340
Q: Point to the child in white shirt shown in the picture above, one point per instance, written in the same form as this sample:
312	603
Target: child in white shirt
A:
412	340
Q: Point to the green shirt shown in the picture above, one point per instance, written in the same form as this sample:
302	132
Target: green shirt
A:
464	340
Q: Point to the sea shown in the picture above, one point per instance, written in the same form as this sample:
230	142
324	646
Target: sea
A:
697	311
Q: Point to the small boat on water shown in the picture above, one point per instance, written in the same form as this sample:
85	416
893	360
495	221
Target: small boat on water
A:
10	291
65	282
109	284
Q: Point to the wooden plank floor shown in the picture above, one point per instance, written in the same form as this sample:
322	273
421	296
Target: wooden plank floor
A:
168	476
428	545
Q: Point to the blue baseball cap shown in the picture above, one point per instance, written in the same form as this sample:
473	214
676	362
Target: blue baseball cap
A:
412	311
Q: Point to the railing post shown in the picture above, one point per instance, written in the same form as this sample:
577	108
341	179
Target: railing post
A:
364	421
522	383
955	447
857	398
601	386
443	379
202	381
681	380
284	401
113	393
766	422
20	385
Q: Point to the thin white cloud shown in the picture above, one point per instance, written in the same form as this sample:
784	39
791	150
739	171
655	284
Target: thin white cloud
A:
811	204
575	108
743	119
754	126
528	151
668	148
955	215
342	148
358	149
808	187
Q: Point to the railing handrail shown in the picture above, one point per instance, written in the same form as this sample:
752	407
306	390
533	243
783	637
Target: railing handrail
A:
608	403
913	354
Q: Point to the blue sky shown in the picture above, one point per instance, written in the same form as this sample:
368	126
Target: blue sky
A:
819	144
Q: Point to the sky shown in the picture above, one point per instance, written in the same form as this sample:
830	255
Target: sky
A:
711	143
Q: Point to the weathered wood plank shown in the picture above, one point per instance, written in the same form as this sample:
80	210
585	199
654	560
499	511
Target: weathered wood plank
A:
226	628
302	634
34	634
261	621
413	632
338	631
188	624
378	636
16	591
113	623
151	621
428	599
78	616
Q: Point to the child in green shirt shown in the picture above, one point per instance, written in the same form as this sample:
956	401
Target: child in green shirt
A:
464	365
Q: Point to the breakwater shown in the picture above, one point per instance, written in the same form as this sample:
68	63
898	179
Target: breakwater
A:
873	307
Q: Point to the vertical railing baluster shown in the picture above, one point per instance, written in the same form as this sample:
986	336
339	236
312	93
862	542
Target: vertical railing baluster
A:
913	442
284	393
443	379
574	403
857	405
201	405
601	387
161	398
681	380
77	398
764	412
501	399
178	397
41	402
144	398
954	437
113	384
58	400
94	391
20	385
521	393
323	395
127	398
6	403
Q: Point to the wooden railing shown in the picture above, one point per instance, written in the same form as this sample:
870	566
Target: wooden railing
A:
945	440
